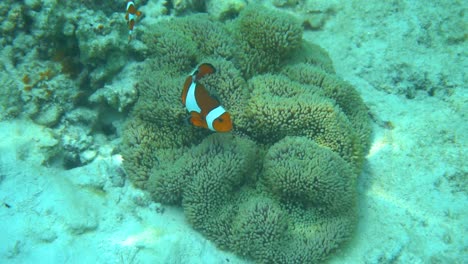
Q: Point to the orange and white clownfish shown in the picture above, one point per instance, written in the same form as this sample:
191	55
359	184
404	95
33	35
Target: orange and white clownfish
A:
205	110
131	16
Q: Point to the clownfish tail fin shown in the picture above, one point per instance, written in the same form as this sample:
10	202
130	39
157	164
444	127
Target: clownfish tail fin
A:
202	70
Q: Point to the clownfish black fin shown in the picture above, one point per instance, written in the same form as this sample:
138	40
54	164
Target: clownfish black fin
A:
216	97
202	70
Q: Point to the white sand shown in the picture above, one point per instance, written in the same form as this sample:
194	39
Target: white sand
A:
77	216
413	192
412	210
415	185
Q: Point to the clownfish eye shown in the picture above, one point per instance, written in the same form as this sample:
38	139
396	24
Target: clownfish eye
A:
220	119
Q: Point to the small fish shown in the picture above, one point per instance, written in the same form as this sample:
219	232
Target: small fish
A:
205	111
131	17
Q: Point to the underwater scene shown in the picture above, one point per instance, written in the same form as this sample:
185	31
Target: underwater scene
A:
233	131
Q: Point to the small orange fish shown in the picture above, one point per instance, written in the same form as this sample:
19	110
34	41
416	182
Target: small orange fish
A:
205	111
131	16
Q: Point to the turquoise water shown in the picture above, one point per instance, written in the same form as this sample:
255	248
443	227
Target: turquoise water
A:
347	143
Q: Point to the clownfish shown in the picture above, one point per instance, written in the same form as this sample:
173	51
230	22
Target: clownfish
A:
131	17
205	111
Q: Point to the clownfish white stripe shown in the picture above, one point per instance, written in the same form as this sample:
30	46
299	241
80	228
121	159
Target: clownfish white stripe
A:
191	102
130	3
212	115
205	111
130	15
194	73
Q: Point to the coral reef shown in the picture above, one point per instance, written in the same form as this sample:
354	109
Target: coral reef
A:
298	110
176	51
10	95
57	54
264	224
264	50
182	42
217	168
223	10
220	10
294	170
343	94
121	93
228	85
281	187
